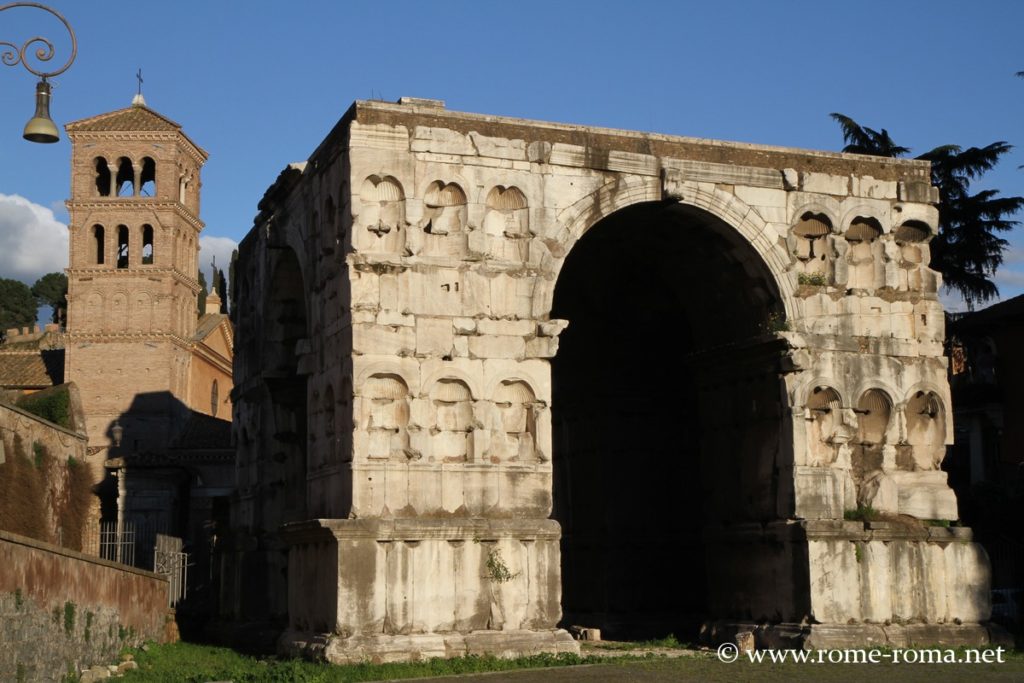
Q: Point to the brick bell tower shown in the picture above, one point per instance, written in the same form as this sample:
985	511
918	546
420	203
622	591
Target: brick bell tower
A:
132	274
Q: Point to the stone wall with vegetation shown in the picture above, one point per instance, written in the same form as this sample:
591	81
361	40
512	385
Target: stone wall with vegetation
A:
62	611
45	481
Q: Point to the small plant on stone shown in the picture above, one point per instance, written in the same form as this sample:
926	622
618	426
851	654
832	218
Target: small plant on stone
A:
497	570
813	279
88	626
21	674
858	552
19	599
863	513
776	322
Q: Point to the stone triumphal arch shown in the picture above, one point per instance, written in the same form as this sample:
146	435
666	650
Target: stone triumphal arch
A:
495	377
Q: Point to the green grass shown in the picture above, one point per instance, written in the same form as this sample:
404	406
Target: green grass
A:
669	642
189	663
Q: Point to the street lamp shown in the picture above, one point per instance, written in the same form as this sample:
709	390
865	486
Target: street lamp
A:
40	128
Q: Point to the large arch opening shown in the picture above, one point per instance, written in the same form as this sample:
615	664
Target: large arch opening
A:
285	317
280	451
668	426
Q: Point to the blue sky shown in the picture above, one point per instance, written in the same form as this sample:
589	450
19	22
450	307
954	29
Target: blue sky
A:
259	84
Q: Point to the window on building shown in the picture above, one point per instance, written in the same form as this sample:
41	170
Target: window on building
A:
102	177
147	245
97	232
214	398
147	180
122	246
125	177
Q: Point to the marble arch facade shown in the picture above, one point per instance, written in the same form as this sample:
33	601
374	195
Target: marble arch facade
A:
421	520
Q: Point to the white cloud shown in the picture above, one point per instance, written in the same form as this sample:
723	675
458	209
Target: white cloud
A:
32	241
211	246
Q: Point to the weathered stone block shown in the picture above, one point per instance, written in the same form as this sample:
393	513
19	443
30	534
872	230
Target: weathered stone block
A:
441	141
434	336
497	346
383	339
500	148
506	327
821	493
824	183
925	495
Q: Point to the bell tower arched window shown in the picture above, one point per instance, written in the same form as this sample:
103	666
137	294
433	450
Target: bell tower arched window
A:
122	246
97	233
147	179
147	245
102	177
125	177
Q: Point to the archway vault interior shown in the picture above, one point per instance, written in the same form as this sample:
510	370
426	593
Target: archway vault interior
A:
667	412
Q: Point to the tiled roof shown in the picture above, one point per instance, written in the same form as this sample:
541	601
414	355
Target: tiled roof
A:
31	370
134	118
207	324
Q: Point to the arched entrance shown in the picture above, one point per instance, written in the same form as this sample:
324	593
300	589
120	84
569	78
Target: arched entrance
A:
285	315
668	426
277	457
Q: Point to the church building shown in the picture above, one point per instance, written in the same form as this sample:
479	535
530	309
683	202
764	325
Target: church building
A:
154	374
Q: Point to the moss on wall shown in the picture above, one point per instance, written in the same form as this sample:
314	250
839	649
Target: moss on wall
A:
42	498
53	405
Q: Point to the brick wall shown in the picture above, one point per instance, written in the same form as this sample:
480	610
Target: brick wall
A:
61	610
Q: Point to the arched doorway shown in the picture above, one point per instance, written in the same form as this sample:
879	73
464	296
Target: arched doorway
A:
285	318
278	455
668	426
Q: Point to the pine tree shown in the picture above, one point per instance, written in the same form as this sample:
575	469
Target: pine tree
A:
201	303
17	305
221	287
967	249
52	290
233	291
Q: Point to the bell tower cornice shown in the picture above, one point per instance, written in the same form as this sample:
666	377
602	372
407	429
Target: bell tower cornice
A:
122	204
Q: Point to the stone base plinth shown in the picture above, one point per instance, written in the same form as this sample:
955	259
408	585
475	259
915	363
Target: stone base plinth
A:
422	646
837	636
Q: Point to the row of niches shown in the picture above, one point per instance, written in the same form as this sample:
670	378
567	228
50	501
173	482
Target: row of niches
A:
443	223
875	435
447	424
863	256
